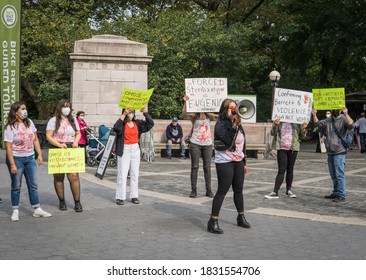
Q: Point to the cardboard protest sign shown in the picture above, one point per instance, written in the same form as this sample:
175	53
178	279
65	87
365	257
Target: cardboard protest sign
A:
70	160
329	98
135	99
205	94
292	106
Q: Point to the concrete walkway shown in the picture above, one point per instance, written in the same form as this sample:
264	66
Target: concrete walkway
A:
167	224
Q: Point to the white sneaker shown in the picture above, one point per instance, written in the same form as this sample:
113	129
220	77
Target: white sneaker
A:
291	194
271	195
15	215
38	212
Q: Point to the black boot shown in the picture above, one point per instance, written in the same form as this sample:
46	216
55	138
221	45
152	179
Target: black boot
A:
209	193
213	226
193	193
242	222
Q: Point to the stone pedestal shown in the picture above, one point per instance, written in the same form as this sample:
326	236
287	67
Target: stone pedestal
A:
101	68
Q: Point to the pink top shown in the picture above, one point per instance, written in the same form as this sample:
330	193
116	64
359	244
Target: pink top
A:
22	138
82	126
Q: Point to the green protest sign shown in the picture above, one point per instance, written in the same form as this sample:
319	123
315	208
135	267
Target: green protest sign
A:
10	24
135	99
329	98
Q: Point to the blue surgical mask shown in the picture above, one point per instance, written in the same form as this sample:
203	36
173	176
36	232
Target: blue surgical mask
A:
24	114
81	117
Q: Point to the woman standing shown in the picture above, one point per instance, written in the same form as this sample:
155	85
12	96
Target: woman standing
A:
200	145
63	132
286	141
20	141
128	131
80	117
229	142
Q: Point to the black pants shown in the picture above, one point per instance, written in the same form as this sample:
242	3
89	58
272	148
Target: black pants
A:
286	162
229	174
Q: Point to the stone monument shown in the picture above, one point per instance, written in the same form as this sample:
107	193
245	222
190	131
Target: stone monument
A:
102	67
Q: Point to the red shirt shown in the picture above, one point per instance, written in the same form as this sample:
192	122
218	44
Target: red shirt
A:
131	134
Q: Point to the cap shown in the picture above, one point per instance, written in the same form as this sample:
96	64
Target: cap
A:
175	119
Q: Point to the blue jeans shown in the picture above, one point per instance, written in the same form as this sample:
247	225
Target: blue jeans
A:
336	165
28	167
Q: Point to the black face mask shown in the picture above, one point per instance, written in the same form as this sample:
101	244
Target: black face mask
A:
335	113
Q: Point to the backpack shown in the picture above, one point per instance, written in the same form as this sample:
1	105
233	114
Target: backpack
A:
347	140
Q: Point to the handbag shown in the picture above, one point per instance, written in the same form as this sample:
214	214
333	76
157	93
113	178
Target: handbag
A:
346	141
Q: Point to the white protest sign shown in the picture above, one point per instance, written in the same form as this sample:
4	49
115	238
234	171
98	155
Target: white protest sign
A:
205	94
292	106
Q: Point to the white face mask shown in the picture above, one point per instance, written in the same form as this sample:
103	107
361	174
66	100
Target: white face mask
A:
81	117
66	111
23	114
131	115
328	115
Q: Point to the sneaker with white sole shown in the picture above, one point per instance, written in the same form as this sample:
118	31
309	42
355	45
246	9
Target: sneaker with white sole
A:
40	213
15	215
271	195
290	194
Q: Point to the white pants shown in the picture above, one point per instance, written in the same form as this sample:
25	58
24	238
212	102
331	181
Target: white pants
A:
129	161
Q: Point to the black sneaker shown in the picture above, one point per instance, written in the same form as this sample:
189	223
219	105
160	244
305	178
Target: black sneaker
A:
209	194
331	196
1	200
119	202
135	200
338	199
62	206
78	207
183	157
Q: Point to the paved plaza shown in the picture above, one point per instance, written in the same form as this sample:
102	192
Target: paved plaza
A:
167	224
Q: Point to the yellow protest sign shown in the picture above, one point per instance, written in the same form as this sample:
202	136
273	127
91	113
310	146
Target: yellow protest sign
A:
135	99
329	98
71	160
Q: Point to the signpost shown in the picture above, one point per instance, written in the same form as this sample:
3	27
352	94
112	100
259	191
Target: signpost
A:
106	155
10	25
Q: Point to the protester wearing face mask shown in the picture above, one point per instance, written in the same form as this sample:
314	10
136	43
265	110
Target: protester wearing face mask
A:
20	141
339	123
230	161
128	131
63	132
80	117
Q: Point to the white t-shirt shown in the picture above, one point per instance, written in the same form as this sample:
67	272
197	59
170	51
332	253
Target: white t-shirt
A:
65	133
201	134
22	138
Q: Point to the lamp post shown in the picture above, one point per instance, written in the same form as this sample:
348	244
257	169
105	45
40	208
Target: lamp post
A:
274	76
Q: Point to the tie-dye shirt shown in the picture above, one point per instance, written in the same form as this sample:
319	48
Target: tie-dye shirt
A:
201	134
22	138
65	133
286	137
237	155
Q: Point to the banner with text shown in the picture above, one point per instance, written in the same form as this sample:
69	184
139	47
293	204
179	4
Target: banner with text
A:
10	25
292	106
329	98
205	94
71	160
135	99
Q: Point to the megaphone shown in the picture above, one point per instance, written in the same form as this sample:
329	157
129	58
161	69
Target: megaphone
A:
246	109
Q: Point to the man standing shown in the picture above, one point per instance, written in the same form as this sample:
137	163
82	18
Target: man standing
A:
336	127
174	134
361	125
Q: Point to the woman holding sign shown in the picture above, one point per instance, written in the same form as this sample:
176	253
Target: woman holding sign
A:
63	132
286	141
20	141
128	131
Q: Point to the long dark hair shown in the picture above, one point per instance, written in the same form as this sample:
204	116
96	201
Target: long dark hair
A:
58	114
13	117
224	108
126	119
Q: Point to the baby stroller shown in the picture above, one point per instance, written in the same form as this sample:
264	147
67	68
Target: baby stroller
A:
97	146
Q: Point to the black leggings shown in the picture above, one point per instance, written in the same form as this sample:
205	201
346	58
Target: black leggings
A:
286	162
229	174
